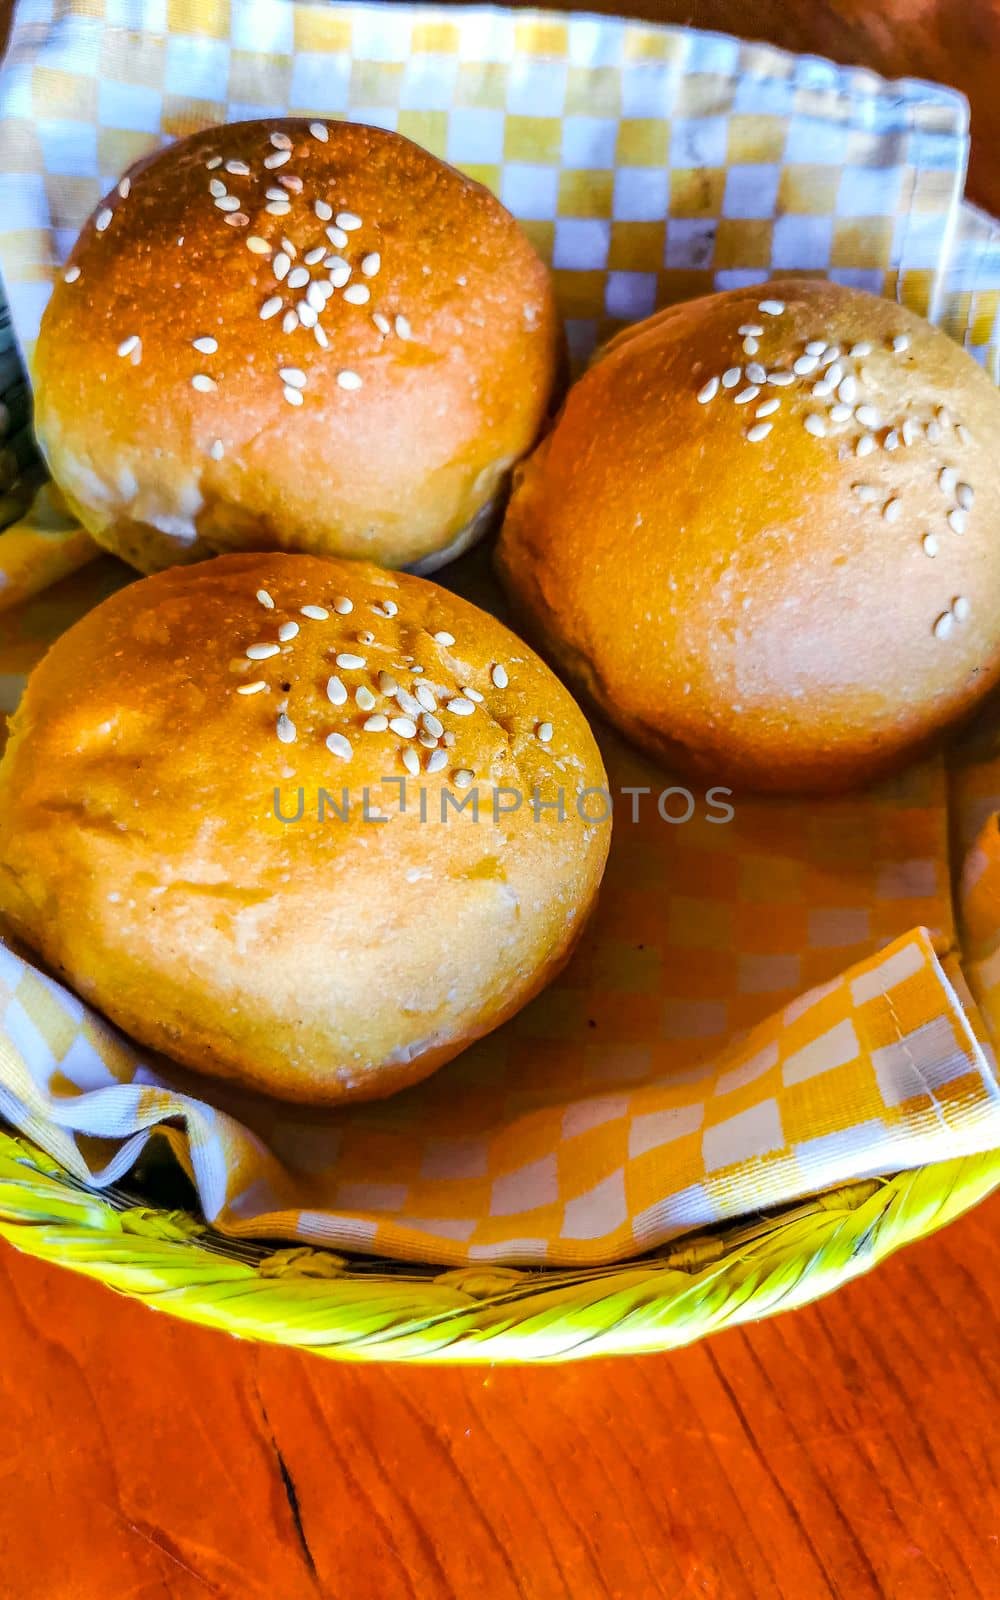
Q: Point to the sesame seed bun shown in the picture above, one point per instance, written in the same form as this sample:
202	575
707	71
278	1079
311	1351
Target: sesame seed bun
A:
144	854
764	535
202	387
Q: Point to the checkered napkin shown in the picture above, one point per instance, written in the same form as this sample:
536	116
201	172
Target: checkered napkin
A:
760	1008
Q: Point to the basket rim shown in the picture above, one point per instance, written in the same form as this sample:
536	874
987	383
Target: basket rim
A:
360	1309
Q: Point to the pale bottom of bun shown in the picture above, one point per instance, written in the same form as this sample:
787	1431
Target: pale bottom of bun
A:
475	529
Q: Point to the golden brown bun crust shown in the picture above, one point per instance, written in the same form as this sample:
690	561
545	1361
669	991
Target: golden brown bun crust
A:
764	611
142	856
389	472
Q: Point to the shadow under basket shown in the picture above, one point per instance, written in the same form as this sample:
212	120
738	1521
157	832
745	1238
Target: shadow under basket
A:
363	1309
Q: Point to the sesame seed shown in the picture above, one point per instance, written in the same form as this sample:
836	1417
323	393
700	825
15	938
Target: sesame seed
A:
272	305
463	777
944	625
277	208
911	430
306	314
207	345
867	416
382	323
847	389
760	430
472	694
103	219
772	308
965	496
261	652
830	356
228	202
930	545
866	492
265	599
892	510
752	330
390	608
335	691
460	707
72	273
891	440
815	347
343	606
290	321
756	373
387	683
499	673
956	521
281	141
545	732
217	188
339	745
348	221
323	210
962	433
203	383
239	169
237	219
404	726
277	159
357	295
218	450
862	348
443	637
960	608
815	425
426	739
125	188
315	297
274	193
432	724
901	343
865	445
408	702
348	379
376	724
128	345
280	265
411	761
840	412
340	272
781	379
750	346
731	377
319	334
213	162
947	480
746	395
293	396
315	254
252	688
803	365
822	390
436	760
371	263
257	245
350	663
289	248
337	237
403	329
708	391
364	698
287	631
314	613
933	431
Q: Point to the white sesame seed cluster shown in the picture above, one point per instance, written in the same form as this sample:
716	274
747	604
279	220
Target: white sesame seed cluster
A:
313	249
840	395
379	689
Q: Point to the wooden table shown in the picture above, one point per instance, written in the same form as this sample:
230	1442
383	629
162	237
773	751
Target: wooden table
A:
849	1450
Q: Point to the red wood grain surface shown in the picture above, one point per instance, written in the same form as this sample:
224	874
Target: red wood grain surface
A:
851	1450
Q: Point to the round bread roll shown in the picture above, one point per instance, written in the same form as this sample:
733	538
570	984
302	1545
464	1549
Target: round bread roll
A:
193	833
308	336
764	535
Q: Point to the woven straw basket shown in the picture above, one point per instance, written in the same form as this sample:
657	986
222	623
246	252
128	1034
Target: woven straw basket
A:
365	1309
